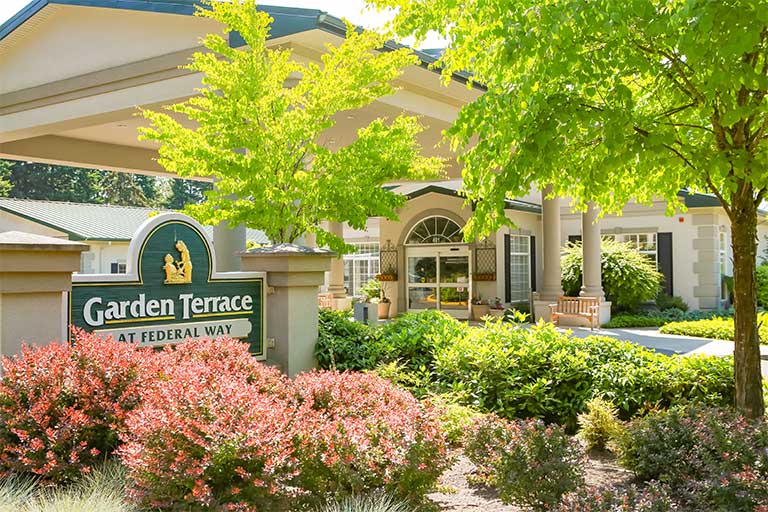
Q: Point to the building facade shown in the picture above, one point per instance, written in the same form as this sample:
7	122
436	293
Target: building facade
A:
73	72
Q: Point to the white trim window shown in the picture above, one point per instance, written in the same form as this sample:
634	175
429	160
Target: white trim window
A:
117	267
361	266
519	268
645	243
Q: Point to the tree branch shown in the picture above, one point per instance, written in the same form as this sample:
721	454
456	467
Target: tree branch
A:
716	191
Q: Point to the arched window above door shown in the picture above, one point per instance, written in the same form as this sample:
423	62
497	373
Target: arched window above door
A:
435	230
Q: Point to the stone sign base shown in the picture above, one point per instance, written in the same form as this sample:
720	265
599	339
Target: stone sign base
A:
35	273
294	275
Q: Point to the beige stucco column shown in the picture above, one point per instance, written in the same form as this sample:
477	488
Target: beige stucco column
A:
336	279
35	272
294	275
550	217
336	275
551	287
592	285
229	242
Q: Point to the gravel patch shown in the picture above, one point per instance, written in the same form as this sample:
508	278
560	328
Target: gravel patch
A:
456	494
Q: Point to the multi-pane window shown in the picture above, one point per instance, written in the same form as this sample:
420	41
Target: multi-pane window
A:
361	266
117	267
645	243
519	267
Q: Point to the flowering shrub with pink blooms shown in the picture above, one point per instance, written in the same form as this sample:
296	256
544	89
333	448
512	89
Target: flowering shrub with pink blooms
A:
532	464
208	440
62	406
360	433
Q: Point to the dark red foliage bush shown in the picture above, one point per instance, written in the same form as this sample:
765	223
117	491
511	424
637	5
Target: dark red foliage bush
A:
360	433
211	440
63	406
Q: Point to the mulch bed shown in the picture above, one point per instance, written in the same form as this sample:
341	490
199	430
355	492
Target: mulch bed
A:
458	495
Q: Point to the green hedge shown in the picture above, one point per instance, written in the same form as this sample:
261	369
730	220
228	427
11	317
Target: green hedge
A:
620	321
717	328
522	373
542	373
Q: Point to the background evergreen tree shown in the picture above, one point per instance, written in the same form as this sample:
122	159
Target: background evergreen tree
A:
184	192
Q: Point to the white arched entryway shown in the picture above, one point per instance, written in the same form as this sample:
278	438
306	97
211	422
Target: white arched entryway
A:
437	264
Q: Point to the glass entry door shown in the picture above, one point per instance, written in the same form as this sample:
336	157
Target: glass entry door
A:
438	278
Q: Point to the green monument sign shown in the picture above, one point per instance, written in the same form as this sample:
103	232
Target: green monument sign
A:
171	291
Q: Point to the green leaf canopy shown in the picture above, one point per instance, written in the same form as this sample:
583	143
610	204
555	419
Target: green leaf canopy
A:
259	129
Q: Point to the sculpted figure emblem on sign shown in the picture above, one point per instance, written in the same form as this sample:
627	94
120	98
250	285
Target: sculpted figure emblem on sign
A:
178	272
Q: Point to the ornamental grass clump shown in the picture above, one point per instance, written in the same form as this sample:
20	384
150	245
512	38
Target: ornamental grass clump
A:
532	464
63	406
361	434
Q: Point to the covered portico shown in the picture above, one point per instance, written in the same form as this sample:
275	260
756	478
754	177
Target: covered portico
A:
554	237
74	73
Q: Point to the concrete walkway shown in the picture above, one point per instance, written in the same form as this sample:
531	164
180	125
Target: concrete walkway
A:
650	337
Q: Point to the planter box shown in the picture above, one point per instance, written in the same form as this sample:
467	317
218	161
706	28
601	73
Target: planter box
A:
497	312
384	310
480	310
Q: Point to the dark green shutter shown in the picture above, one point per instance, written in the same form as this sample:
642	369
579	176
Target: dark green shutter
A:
533	263
664	258
507	277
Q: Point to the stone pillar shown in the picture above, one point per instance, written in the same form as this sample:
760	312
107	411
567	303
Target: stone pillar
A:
228	244
35	273
294	274
336	275
592	285
551	287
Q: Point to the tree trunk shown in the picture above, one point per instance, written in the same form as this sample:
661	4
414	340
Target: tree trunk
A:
749	392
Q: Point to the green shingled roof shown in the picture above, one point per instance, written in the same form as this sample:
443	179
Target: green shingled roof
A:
92	221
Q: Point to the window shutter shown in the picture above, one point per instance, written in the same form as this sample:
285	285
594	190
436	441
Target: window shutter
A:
533	263
664	255
507	277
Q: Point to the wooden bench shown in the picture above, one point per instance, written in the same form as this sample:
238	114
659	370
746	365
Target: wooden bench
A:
579	307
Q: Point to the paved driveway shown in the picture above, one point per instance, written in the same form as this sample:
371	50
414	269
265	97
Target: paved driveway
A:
669	343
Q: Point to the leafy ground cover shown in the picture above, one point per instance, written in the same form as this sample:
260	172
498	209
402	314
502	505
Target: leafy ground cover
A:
719	328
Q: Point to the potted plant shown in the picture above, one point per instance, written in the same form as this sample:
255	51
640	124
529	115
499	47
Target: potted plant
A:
480	308
384	303
496	307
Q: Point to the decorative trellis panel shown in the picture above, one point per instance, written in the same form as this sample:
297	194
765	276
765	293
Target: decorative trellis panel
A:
388	262
485	263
